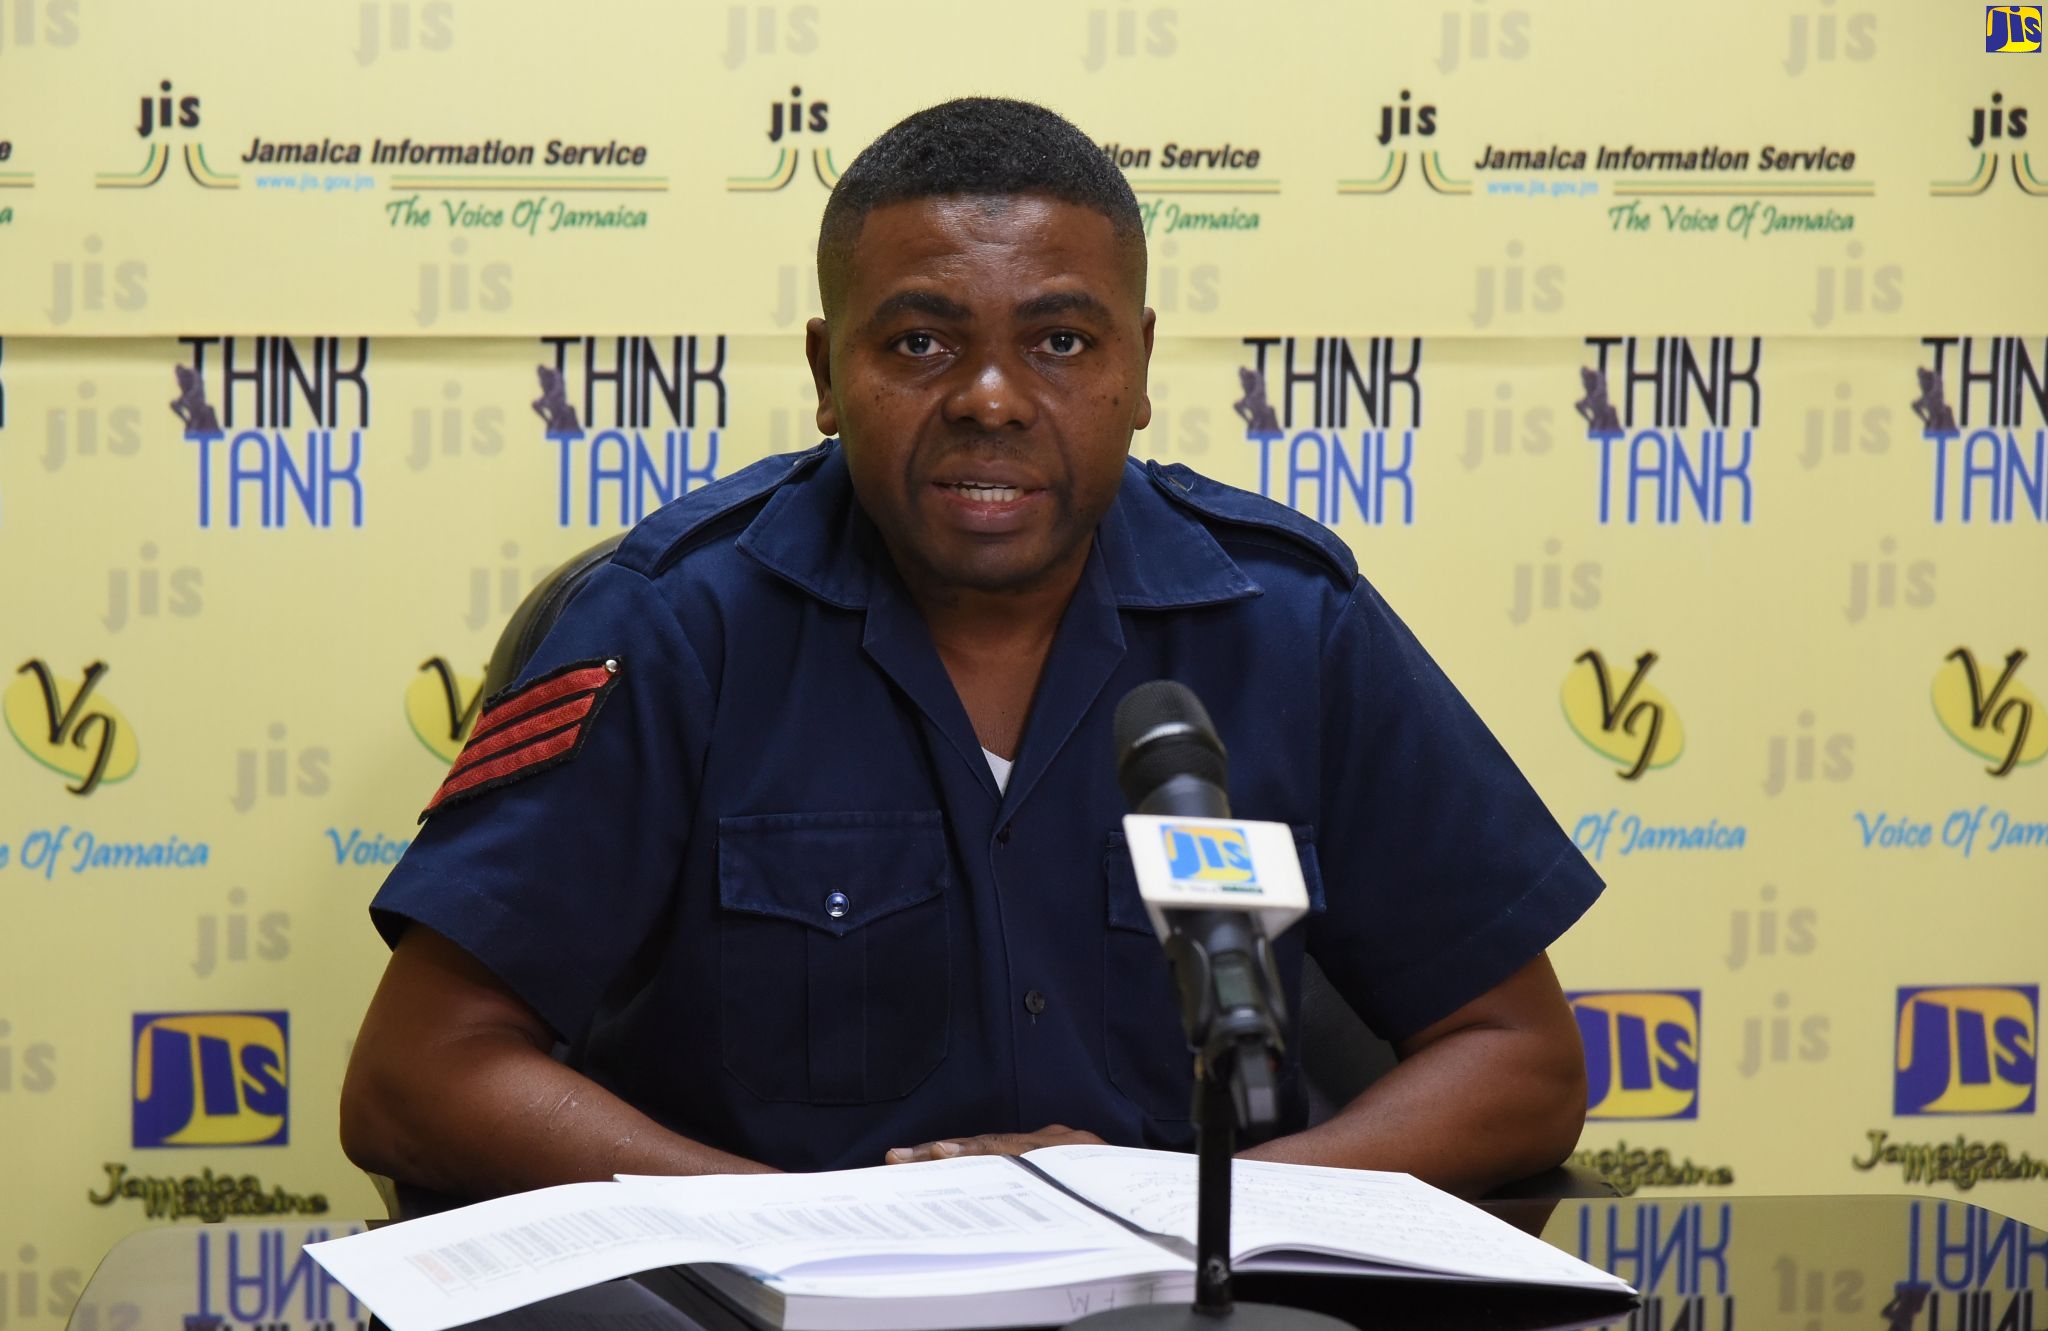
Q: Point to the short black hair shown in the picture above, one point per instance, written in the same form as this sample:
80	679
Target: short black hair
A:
974	146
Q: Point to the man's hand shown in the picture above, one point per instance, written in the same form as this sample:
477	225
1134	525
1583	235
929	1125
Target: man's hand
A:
993	1143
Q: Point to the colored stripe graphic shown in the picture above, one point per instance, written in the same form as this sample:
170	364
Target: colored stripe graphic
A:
520	733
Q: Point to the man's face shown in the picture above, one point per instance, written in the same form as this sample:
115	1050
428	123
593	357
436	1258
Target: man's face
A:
984	372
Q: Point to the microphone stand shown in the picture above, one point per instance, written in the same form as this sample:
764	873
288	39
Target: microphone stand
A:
1215	1144
1227	1007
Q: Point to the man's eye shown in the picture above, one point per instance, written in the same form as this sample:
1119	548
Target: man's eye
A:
918	344
1064	344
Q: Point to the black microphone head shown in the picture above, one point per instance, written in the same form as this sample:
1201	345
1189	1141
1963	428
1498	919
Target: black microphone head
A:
1163	731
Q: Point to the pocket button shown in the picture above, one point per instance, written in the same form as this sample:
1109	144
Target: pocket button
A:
836	905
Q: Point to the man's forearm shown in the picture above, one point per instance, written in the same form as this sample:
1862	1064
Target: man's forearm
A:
487	1114
451	1087
1474	1110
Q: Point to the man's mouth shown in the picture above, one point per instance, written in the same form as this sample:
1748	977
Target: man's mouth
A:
984	492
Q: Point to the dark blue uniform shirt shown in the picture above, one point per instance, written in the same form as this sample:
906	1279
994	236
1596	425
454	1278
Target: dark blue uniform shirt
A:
776	900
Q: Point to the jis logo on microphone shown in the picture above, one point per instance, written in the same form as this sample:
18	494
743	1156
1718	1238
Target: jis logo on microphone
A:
1213	856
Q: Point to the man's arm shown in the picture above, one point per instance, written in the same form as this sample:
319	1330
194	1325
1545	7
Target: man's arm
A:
1493	1092
451	1087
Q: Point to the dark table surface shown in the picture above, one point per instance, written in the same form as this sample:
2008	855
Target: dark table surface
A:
1871	1263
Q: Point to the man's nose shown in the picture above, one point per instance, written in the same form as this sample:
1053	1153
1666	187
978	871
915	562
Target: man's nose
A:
990	391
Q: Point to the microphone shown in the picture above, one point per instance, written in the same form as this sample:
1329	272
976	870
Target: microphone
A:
1217	891
1168	757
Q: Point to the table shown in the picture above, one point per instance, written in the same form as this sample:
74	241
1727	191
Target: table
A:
1871	1263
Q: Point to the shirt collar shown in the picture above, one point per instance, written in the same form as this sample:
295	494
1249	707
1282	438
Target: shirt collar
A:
1155	553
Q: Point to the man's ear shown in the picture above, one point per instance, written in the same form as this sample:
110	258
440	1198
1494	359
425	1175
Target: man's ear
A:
818	350
1143	417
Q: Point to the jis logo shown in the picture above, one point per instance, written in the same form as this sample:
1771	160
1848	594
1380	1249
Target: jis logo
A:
1966	1049
1215	856
1642	1053
210	1079
2011	28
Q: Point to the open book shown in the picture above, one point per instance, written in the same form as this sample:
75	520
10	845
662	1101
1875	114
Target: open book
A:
979	1241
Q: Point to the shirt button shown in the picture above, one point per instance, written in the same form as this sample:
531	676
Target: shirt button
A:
1034	1002
836	905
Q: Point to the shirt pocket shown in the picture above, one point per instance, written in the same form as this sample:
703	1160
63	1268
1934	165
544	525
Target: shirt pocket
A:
1144	1047
833	953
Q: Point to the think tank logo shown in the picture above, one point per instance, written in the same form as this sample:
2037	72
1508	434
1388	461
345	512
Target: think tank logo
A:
663	404
1991	447
1673	422
278	426
1298	399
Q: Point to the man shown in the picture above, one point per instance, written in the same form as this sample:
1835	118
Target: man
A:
800	831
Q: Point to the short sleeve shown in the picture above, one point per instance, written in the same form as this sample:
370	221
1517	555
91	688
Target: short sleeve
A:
554	878
1444	872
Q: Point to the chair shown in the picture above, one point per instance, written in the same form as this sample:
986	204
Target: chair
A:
539	611
1340	1056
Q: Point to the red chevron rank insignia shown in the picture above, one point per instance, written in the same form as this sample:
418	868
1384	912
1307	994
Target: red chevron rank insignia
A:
540	724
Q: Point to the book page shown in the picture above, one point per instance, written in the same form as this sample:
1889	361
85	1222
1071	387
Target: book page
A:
1363	1214
443	1270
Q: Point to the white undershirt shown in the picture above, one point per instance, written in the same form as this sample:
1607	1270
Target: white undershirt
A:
1001	768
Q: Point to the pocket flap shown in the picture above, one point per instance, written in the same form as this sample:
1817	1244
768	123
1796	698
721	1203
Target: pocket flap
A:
1127	907
834	872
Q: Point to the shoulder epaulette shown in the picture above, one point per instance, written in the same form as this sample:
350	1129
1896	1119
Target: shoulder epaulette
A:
667	532
1228	504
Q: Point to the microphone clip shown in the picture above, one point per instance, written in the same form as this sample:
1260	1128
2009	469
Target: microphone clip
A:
1233	1010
